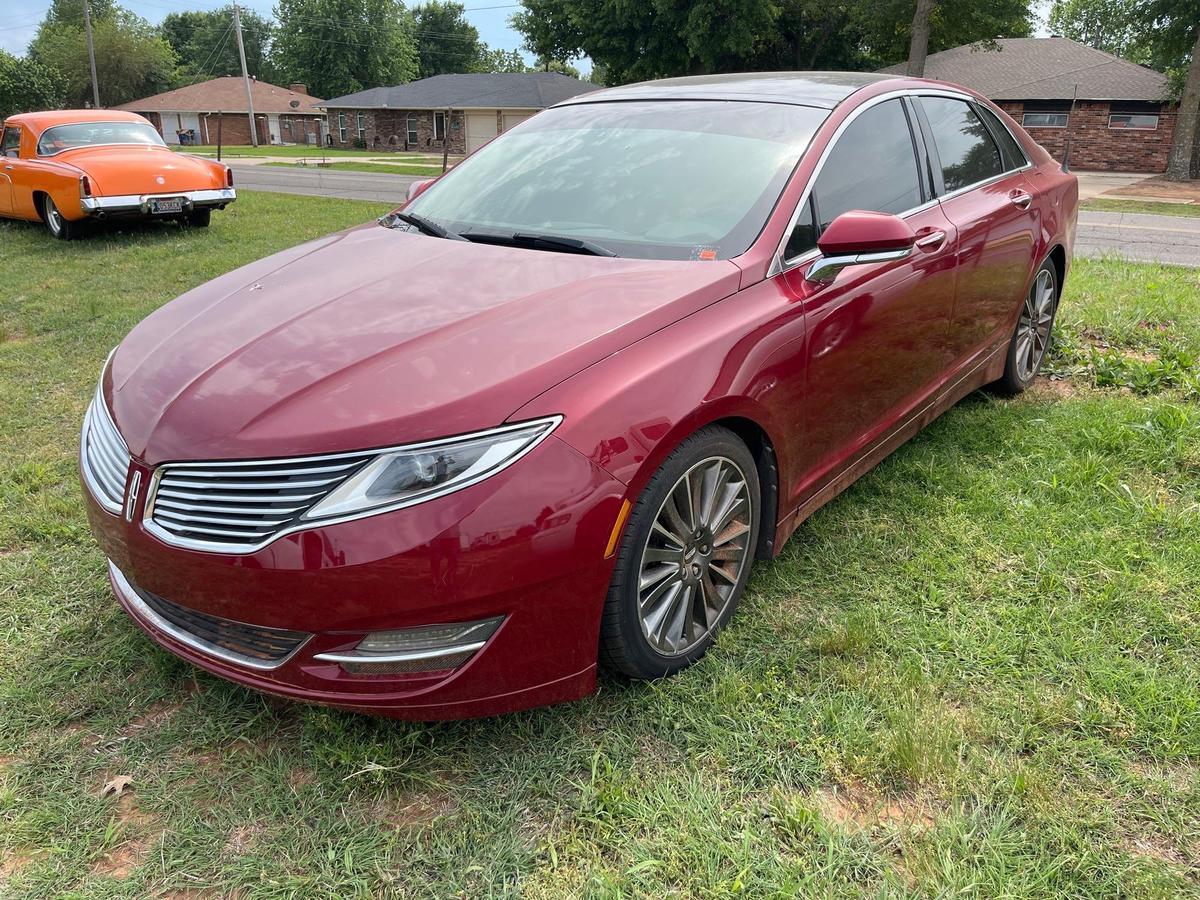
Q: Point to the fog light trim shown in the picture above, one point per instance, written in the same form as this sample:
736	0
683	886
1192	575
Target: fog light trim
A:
417	649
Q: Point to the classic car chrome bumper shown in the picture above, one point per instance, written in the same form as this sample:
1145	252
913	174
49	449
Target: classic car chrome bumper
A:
140	203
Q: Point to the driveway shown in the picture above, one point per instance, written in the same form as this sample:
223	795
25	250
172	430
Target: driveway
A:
1134	236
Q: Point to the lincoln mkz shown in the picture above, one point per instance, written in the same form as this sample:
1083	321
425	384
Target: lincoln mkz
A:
546	416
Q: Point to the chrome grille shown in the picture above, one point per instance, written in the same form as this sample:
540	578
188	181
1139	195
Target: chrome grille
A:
238	507
104	458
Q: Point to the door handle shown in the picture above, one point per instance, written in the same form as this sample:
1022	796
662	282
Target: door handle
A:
1020	199
931	240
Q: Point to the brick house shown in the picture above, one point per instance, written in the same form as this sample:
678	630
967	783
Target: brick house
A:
464	110
1121	120
282	115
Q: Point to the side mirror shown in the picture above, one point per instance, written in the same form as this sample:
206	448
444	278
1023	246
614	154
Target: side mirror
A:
417	188
858	237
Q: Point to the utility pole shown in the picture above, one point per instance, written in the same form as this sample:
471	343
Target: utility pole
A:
237	25
87	24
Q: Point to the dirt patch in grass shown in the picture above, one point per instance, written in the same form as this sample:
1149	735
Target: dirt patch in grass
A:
856	807
242	838
13	862
414	809
1158	848
1059	388
139	829
154	716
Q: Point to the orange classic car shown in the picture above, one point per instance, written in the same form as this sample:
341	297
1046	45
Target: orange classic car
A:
66	167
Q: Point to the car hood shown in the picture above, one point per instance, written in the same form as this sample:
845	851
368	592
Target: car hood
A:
140	170
374	337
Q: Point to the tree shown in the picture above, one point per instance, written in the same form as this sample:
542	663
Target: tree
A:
132	58
554	65
918	45
341	46
70	12
206	46
1107	25
27	86
1182	161
446	41
499	61
656	38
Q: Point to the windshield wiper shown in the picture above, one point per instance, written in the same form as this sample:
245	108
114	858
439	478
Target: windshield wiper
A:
422	224
550	241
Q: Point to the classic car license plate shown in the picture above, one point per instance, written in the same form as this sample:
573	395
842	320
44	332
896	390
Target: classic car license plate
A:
161	205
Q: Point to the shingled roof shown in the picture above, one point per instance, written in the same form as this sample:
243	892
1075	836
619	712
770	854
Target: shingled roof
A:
1043	69
493	90
227	94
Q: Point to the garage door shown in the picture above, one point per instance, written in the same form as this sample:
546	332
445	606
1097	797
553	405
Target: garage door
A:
512	120
481	128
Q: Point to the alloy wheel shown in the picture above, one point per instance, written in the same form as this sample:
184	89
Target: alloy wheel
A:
694	555
1033	330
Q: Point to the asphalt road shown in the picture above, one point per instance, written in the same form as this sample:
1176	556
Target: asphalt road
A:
385	187
1133	236
1139	237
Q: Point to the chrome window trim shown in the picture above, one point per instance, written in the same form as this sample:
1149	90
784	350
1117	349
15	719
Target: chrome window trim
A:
780	264
130	595
241	548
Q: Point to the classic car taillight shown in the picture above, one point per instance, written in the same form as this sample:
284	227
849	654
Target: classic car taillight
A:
228	176
85	186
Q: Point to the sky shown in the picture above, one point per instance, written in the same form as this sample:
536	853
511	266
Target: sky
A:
21	18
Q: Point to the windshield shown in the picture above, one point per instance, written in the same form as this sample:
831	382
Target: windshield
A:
67	137
656	180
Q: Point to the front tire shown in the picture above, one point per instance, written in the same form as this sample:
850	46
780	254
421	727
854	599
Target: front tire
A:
59	227
1031	338
685	558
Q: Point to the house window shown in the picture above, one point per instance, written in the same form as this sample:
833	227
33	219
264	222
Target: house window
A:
439	126
342	127
1044	120
1133	121
362	126
411	122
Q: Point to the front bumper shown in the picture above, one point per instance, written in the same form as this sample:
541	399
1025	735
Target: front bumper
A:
139	204
527	544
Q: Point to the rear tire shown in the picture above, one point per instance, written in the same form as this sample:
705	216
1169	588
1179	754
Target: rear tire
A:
55	223
198	218
685	557
1031	338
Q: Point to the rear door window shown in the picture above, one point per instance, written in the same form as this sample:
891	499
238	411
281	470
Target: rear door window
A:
1014	156
968	153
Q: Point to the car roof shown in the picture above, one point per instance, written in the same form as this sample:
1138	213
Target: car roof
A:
824	90
39	121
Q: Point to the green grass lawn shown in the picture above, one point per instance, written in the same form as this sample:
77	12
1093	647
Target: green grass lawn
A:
1113	204
976	673
431	169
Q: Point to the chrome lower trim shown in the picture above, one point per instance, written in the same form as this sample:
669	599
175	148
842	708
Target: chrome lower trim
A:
403	656
130	596
141	202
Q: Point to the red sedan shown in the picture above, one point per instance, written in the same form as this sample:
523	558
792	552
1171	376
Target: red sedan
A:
551	412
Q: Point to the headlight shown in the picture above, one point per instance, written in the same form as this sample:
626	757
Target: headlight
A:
421	472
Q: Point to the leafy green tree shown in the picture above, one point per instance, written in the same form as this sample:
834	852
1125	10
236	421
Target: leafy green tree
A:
70	12
26	86
887	25
206	46
554	65
1107	25
446	41
499	61
338	47
132	58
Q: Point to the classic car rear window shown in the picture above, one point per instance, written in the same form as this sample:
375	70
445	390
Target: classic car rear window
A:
84	134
